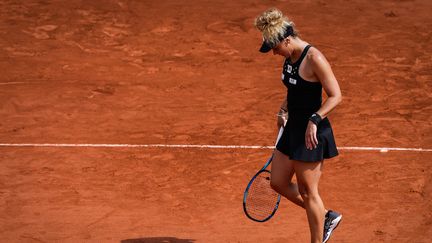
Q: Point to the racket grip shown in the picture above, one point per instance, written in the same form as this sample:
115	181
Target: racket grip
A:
281	129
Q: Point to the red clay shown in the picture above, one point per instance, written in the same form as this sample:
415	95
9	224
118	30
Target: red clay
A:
189	73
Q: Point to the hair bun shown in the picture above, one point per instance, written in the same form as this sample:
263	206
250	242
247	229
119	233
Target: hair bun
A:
273	24
269	19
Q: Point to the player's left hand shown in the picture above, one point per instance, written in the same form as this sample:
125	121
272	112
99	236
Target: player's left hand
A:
311	140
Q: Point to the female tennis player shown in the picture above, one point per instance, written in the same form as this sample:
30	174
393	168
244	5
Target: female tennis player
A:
308	137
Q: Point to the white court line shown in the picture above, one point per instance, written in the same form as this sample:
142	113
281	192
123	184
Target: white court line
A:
208	146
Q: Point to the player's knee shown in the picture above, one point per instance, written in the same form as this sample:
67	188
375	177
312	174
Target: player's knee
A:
307	193
302	191
275	185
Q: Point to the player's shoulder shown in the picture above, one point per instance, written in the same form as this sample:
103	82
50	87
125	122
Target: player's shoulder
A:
315	56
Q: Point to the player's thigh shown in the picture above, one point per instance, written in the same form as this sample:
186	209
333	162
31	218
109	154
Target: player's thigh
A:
282	168
308	175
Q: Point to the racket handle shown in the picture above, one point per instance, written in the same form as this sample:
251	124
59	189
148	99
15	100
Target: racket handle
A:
281	129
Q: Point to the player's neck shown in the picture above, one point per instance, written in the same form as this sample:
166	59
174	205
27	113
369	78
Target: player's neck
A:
299	46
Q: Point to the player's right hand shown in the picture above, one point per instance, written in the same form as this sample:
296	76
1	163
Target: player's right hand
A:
282	118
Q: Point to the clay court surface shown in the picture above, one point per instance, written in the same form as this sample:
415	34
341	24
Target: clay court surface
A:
188	72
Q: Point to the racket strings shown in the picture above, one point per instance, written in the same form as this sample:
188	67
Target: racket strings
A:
261	200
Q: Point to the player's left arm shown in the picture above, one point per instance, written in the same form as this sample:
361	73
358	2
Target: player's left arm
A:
325	75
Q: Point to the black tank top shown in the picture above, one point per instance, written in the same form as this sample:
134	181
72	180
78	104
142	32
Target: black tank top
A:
304	97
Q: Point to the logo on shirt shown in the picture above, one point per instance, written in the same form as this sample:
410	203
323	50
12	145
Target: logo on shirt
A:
289	68
292	81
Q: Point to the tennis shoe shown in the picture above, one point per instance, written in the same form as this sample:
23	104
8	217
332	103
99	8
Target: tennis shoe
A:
332	220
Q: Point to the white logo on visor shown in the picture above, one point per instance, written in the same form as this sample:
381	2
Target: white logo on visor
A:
283	76
293	81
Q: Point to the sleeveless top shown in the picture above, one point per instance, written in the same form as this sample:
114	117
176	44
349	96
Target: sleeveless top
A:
304	97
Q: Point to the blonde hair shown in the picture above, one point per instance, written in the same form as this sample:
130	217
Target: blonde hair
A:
273	25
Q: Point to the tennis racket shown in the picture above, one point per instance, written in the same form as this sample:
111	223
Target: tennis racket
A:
260	201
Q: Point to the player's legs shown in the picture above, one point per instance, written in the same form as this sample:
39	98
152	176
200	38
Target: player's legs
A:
308	175
282	171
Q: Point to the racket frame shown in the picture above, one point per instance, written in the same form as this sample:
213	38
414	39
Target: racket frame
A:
264	168
247	190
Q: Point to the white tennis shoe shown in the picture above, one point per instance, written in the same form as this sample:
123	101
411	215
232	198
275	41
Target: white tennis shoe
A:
332	220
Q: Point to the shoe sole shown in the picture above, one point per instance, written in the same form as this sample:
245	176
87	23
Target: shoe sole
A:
337	220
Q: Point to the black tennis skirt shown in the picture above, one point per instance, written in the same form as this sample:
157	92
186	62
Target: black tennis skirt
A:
292	143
